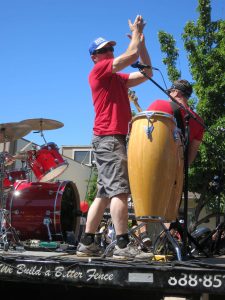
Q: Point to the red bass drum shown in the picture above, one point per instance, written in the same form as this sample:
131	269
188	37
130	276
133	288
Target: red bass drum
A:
44	211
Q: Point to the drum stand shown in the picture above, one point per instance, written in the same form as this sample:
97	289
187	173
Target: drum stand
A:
4	218
172	241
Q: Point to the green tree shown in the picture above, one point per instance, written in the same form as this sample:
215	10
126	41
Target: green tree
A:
204	42
92	186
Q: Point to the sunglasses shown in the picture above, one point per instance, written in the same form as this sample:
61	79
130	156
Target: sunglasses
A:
104	50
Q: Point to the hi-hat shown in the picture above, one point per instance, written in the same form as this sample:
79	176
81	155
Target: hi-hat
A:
13	131
42	124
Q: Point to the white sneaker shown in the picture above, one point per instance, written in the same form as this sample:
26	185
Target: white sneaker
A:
130	252
89	250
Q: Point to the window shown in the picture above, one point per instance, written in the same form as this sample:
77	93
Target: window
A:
83	156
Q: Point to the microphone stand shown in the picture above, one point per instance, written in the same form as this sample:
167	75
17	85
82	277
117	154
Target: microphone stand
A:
188	115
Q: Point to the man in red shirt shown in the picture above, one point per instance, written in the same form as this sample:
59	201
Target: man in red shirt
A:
181	90
112	114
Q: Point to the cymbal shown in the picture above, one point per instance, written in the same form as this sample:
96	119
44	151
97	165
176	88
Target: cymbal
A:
13	131
42	124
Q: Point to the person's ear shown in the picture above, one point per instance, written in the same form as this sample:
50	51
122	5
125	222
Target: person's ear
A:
93	57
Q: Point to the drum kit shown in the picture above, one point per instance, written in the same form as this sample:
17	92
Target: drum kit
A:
41	209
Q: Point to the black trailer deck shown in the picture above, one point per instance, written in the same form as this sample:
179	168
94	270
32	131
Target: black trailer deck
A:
193	276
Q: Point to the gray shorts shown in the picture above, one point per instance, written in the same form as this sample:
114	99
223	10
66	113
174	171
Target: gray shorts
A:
111	161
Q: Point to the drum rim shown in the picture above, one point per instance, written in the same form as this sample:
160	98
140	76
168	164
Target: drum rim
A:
48	145
48	172
151	114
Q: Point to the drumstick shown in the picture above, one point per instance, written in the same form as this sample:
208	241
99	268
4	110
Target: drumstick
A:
22	155
132	97
25	147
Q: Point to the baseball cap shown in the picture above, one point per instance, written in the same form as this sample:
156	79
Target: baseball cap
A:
182	85
99	43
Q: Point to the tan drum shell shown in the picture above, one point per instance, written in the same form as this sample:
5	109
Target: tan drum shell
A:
175	199
152	164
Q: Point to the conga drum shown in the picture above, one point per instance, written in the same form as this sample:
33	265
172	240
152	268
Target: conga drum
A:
177	189
153	147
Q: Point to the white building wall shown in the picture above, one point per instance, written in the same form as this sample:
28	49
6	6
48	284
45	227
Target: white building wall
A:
77	173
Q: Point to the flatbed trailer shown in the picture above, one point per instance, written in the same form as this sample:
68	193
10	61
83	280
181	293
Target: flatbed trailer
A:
195	276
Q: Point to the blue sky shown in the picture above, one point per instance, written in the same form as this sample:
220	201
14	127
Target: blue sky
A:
44	59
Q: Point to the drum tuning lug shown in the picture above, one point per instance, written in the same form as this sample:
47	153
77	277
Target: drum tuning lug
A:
149	131
47	221
176	134
51	192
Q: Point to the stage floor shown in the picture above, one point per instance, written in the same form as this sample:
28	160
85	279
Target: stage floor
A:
196	275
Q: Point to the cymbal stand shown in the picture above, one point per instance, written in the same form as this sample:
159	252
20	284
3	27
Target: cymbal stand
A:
3	235
4	219
41	132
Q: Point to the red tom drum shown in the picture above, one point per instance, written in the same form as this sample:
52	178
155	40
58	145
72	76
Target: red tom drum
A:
44	211
46	163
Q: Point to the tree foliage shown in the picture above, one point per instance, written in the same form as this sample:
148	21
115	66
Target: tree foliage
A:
92	186
204	42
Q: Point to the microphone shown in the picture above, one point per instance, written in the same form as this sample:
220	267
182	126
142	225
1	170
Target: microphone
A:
141	66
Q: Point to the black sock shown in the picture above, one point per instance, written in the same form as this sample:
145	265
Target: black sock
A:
122	240
88	238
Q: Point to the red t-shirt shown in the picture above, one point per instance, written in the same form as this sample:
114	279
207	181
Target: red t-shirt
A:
110	99
196	130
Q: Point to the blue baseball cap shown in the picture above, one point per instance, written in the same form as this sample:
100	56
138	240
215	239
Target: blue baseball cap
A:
99	43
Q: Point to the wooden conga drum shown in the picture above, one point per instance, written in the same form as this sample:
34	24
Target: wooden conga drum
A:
153	147
177	189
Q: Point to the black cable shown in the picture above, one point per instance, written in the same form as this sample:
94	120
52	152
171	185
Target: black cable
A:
161	76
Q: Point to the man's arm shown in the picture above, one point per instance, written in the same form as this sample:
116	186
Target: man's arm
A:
136	78
133	51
